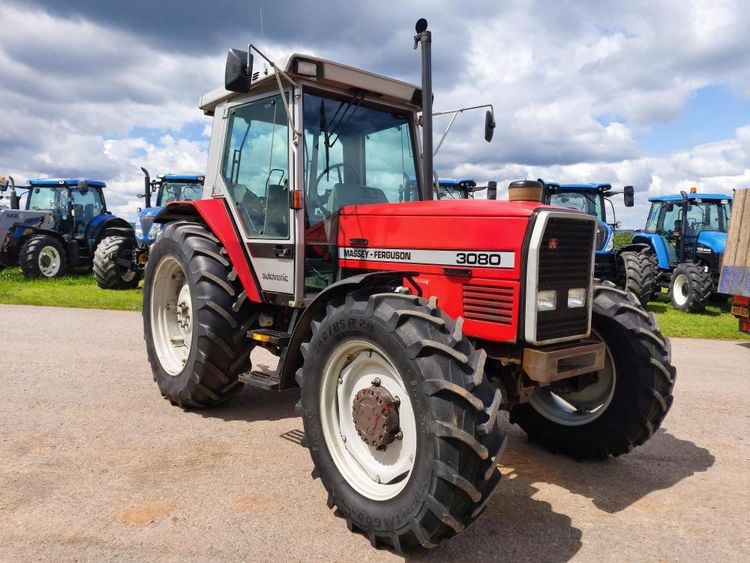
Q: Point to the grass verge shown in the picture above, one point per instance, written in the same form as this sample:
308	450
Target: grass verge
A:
80	290
73	290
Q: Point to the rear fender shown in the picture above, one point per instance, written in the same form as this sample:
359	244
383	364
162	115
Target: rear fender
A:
215	215
291	359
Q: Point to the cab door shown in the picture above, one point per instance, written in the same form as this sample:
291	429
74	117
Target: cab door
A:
257	171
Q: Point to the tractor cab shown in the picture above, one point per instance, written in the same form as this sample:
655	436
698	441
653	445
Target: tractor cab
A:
167	188
74	204
693	227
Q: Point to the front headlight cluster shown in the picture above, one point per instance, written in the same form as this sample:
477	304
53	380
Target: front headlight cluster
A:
610	245
138	229
155	230
546	300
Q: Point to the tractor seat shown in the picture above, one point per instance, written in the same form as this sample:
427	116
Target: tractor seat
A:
349	194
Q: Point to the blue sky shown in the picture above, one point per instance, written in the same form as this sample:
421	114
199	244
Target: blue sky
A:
654	94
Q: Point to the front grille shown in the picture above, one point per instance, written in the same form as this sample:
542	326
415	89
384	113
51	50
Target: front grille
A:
565	259
487	303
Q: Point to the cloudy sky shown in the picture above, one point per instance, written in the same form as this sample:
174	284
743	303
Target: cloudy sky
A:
650	93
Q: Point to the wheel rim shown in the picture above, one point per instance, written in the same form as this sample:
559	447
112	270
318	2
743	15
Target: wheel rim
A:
126	274
171	316
49	261
579	407
378	474
680	289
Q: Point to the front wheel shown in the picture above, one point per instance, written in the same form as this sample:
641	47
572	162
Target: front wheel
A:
42	256
690	287
113	263
618	408
194	321
637	275
400	419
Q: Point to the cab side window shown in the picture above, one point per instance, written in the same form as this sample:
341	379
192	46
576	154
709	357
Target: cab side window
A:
86	206
256	167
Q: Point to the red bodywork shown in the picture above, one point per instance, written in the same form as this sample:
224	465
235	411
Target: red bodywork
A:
487	298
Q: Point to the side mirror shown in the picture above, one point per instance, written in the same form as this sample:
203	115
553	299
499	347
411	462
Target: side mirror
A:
83	186
238	73
628	195
491	189
489	126
140	195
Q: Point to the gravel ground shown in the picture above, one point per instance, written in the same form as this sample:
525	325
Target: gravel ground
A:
95	465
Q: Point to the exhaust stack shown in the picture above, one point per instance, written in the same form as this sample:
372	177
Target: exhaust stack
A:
424	38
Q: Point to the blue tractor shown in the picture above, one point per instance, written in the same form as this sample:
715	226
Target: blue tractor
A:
75	224
629	267
685	234
118	255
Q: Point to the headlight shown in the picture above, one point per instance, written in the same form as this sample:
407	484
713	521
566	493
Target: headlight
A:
546	300
155	228
138	229
576	298
610	245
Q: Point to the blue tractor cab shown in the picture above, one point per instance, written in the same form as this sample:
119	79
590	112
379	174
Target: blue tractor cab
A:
628	267
77	222
686	234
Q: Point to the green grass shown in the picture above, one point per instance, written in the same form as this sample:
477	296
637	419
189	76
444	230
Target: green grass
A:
621	238
80	290
715	322
73	290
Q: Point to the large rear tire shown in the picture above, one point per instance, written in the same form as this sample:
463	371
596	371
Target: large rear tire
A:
624	404
195	323
690	287
43	256
113	263
637	275
436	477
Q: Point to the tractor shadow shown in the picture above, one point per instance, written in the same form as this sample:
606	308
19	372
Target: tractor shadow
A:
253	404
518	527
744	345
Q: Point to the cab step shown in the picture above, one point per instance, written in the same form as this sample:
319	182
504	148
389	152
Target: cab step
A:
263	379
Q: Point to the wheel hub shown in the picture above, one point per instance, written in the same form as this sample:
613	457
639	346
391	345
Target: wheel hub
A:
184	316
375	413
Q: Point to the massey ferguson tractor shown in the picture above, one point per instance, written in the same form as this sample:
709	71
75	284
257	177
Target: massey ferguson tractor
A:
406	322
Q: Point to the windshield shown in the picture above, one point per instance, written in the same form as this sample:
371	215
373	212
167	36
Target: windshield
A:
355	155
666	217
589	203
178	191
42	199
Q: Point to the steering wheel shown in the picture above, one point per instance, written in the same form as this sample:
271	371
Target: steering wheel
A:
338	167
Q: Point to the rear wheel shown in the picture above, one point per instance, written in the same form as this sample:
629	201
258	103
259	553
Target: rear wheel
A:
617	408
194	321
690	287
113	263
43	256
400	419
637	275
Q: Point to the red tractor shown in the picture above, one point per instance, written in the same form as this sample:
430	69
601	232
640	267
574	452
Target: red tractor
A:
406	322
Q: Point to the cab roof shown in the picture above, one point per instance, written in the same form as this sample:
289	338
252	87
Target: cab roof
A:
64	182
181	178
691	197
579	187
330	74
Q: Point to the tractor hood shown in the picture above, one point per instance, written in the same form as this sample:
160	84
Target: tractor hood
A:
144	224
448	208
714	240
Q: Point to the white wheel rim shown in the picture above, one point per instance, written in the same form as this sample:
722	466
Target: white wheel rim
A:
49	261
579	407
171	316
680	289
376	474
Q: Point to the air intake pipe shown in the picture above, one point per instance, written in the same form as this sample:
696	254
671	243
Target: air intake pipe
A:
525	190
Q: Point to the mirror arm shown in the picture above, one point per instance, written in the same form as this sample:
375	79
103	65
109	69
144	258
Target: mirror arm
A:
296	135
454	115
